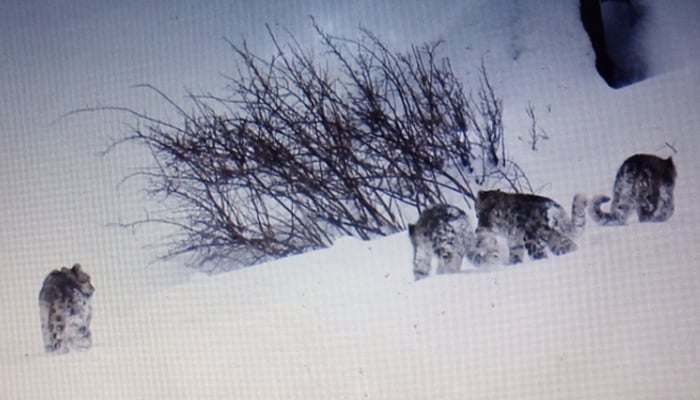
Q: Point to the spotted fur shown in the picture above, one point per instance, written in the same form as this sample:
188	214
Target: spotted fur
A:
443	232
65	310
643	185
530	222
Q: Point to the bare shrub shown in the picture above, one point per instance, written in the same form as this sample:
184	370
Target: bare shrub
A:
300	153
535	133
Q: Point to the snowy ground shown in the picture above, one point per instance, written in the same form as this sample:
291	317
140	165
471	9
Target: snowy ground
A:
617	319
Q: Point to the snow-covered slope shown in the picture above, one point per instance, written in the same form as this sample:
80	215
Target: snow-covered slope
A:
617	319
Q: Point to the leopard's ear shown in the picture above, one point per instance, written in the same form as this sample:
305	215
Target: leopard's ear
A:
669	164
76	268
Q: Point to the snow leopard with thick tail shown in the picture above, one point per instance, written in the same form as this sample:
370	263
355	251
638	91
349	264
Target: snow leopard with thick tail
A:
65	310
644	185
530	222
444	232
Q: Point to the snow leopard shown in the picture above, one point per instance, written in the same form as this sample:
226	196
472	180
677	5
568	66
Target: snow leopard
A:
443	231
65	310
644	184
530	222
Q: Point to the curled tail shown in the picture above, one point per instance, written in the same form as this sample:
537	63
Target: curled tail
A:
603	217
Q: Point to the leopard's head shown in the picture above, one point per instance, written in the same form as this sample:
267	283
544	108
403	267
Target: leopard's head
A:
81	278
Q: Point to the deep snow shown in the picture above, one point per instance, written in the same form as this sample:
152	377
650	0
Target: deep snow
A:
617	319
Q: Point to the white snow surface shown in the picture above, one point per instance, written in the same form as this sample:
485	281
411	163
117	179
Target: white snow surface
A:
617	319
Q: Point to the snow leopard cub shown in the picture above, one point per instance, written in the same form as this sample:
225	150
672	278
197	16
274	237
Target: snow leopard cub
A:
644	184
65	310
530	222
444	231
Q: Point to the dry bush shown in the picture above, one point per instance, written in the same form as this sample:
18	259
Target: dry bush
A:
300	153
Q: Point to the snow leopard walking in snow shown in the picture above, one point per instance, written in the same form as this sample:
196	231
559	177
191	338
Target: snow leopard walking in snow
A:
644	184
65	310
444	231
530	222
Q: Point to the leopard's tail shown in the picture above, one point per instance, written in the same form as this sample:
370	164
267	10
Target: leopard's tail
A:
578	213
604	217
